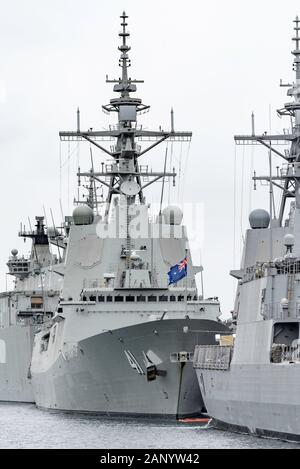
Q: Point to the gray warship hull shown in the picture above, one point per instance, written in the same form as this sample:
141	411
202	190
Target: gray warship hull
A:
15	356
107	374
255	399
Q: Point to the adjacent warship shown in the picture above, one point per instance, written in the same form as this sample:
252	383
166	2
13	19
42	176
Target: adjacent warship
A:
23	310
254	385
122	338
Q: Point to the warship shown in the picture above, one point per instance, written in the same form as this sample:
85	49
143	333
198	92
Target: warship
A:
122	338
23	310
253	386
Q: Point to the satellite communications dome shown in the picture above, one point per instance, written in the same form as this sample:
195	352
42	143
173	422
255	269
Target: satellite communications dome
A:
52	232
259	218
172	215
14	252
83	215
289	240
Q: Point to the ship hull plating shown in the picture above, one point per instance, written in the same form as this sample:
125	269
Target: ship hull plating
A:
15	356
258	399
108	374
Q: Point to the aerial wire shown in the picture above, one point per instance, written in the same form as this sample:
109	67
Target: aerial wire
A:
180	174
251	176
60	172
68	184
163	183
50	249
170	170
234	205
242	200
185	171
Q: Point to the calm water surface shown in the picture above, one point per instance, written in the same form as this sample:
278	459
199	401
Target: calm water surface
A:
24	426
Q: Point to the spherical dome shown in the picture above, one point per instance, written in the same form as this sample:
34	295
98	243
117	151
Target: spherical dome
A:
289	240
83	215
135	257
52	232
259	219
172	215
14	252
284	301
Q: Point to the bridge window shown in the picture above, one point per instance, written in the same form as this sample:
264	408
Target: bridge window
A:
36	302
163	298
101	299
172	298
92	298
109	299
152	298
141	298
180	298
130	298
119	299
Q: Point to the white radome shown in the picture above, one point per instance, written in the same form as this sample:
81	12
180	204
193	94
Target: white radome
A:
52	232
284	301
259	218
289	240
135	257
83	215
172	215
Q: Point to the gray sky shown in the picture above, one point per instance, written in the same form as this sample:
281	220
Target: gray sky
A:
214	62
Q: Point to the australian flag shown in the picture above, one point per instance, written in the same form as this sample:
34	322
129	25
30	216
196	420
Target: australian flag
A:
178	271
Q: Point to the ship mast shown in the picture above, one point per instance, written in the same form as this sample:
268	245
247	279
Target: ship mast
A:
288	180
123	175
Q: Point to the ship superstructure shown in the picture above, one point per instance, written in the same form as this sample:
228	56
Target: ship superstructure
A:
122	339
254	385
24	309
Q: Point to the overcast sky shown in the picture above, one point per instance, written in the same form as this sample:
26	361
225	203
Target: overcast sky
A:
214	62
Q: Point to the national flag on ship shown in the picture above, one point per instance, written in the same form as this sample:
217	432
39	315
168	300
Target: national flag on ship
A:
178	271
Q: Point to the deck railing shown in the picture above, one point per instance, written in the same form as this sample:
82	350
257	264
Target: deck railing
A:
281	353
279	311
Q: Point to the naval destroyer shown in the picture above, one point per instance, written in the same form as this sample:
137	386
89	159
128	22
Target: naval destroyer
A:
24	309
254	385
129	316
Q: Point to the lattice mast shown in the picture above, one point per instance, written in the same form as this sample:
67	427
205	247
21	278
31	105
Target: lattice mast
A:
124	175
288	181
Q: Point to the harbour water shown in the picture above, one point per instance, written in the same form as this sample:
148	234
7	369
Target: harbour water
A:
24	426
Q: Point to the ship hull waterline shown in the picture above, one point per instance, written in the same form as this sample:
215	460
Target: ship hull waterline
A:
254	399
108	375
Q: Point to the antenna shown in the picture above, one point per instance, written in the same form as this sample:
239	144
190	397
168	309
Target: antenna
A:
297	38
172	120
296	52
54	231
94	181
61	210
163	184
78	119
253	123
30	226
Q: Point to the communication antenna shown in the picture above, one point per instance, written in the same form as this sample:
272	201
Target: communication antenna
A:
163	183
